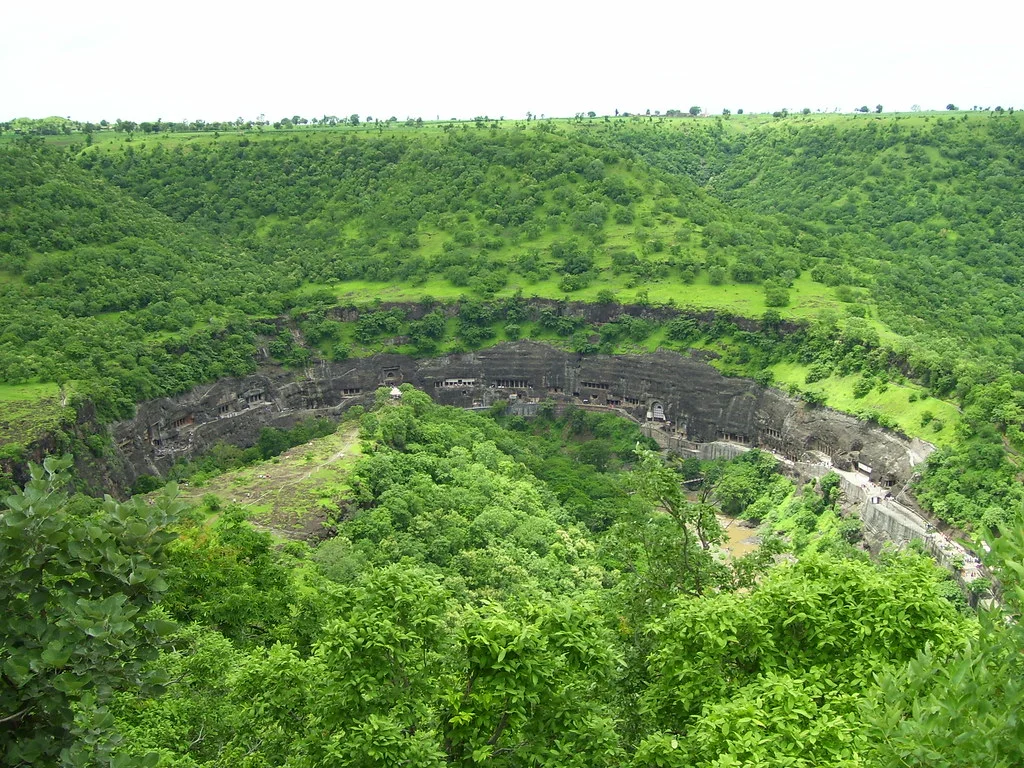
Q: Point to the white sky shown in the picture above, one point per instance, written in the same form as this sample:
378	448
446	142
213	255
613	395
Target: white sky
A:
183	59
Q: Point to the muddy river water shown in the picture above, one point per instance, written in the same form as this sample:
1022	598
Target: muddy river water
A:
739	540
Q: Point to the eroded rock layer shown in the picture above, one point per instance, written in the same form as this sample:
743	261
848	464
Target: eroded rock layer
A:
692	400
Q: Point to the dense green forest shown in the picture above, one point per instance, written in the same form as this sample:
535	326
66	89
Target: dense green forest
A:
494	590
134	265
514	594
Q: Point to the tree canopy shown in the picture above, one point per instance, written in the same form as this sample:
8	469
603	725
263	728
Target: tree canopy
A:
473	609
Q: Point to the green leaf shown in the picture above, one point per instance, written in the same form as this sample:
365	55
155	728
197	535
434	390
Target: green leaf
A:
161	627
69	683
56	655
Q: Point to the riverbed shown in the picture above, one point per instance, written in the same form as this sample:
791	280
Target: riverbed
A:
739	539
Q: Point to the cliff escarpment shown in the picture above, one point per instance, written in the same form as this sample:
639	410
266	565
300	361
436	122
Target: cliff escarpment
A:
691	399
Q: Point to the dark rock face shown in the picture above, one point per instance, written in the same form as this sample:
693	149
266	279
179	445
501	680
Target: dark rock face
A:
696	401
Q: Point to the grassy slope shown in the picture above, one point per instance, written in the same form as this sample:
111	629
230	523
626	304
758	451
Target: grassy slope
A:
30	411
893	401
294	493
807	297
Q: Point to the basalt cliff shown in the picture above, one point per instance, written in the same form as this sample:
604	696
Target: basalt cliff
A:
688	399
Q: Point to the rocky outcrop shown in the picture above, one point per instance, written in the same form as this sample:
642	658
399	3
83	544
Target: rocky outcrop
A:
688	398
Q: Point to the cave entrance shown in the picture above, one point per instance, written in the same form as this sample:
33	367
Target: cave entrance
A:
657	412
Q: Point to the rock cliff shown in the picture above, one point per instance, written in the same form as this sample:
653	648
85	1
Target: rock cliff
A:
690	399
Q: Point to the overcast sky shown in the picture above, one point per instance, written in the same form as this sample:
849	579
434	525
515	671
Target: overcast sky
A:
183	59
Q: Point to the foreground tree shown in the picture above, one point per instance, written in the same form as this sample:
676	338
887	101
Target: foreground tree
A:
533	689
774	677
964	711
77	591
694	525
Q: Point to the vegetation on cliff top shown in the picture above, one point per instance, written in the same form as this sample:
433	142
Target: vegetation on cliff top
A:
135	266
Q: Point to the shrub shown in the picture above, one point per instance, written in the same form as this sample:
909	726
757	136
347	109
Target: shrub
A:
863	386
776	295
817	372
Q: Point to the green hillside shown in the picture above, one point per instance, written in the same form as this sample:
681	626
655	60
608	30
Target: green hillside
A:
921	211
134	265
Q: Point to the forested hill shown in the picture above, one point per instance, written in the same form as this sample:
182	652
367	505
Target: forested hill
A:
894	214
922	211
135	266
482	588
907	209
